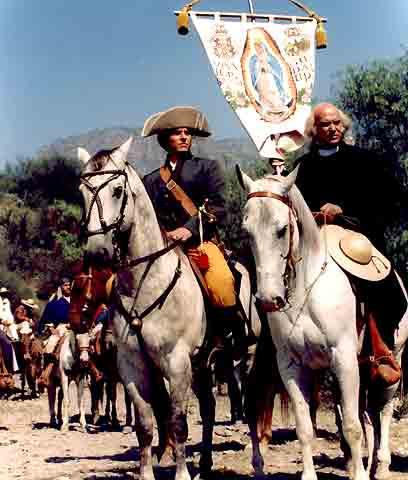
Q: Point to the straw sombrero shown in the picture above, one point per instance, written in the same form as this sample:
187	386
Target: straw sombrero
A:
356	254
29	303
177	117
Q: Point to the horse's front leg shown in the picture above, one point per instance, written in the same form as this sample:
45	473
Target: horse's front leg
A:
179	375
202	386
51	394
65	400
298	380
96	400
81	403
345	367
136	377
113	387
382	453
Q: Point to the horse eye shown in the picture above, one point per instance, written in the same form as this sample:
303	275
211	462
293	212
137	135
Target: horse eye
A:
117	192
281	233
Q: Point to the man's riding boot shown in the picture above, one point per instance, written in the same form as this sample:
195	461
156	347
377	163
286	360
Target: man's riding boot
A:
96	374
384	369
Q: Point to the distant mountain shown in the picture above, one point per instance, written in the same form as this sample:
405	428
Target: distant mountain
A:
145	153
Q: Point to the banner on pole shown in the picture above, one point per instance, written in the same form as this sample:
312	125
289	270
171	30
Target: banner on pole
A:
266	72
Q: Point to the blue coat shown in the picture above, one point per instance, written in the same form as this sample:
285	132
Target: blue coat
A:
55	312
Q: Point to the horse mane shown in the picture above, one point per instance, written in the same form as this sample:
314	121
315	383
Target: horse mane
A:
308	228
100	159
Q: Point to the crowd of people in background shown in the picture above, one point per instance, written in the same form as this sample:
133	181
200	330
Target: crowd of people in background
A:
25	316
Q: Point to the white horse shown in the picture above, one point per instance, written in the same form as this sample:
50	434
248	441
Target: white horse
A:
69	370
157	287
312	317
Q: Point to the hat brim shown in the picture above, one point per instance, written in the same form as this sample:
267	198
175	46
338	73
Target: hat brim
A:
177	117
290	142
33	306
377	269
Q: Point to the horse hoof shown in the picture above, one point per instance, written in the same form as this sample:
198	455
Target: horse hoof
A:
64	428
382	472
53	423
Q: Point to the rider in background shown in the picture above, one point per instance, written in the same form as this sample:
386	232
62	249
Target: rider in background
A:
352	187
54	321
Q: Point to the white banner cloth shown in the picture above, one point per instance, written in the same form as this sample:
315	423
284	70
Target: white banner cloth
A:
266	72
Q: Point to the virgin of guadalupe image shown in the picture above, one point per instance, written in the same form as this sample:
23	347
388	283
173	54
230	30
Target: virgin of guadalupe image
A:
267	77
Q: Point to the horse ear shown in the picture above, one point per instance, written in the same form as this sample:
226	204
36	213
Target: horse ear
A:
243	179
291	179
121	153
83	155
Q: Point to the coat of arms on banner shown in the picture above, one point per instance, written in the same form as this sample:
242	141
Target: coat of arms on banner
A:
266	73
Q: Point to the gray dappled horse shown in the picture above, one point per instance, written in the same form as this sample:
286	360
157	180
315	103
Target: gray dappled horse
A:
312	320
155	286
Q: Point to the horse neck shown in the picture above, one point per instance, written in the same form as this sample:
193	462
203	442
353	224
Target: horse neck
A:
146	236
312	250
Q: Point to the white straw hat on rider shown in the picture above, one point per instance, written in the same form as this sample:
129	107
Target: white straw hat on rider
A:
29	303
177	117
285	144
4	290
356	254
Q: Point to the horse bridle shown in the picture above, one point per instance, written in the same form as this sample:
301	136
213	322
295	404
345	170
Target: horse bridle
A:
115	226
291	261
84	179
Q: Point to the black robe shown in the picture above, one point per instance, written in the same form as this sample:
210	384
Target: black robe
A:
360	183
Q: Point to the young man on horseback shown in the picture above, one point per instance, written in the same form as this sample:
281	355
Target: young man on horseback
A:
351	187
55	319
188	196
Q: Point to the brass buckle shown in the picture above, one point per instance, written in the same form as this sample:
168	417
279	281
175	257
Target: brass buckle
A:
171	184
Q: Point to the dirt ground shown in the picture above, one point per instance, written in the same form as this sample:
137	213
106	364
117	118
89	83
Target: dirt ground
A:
30	450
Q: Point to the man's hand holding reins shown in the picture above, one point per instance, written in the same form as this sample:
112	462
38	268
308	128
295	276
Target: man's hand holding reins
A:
331	211
179	234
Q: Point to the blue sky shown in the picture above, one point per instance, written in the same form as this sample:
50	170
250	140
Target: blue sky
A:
71	66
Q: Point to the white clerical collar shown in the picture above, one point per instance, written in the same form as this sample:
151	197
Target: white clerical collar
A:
173	165
327	152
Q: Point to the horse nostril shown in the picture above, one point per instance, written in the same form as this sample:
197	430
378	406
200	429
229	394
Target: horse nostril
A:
280	302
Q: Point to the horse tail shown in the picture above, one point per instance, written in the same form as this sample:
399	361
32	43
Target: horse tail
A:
264	383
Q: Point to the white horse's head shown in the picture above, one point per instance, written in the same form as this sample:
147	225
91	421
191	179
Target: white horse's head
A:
270	221
108	200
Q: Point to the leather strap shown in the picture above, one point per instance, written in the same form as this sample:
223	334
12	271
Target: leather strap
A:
178	193
283	199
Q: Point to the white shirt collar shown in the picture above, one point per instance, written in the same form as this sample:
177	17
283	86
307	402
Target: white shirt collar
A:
327	152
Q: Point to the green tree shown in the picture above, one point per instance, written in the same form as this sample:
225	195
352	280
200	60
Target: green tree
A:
40	181
376	96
